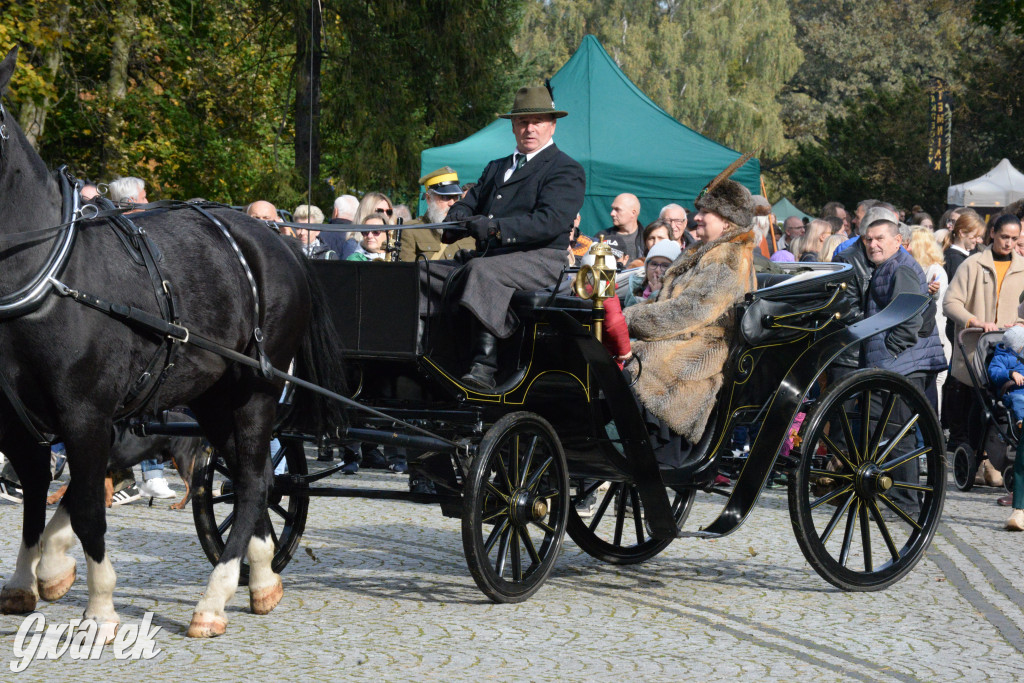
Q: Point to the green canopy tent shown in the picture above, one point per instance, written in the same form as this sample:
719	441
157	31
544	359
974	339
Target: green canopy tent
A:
625	142
784	208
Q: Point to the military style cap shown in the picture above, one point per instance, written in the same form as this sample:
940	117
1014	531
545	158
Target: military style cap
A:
443	181
535	100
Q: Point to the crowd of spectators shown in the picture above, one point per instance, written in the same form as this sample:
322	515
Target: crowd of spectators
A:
971	264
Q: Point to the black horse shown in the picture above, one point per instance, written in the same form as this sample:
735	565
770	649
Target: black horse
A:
71	370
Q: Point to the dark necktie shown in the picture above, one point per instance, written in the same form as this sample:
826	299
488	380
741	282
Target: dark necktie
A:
520	161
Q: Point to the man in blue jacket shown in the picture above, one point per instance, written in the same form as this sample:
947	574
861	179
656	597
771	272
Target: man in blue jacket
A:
911	349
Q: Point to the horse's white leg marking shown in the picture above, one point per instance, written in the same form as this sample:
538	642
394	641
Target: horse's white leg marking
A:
19	595
265	588
209	619
101	581
56	568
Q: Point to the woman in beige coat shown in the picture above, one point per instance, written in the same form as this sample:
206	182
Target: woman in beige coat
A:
985	292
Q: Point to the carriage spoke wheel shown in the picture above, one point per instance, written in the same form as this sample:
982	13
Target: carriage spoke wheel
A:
617	532
215	514
862	511
515	507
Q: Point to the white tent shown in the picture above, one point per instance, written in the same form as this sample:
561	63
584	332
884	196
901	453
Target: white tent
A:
1001	186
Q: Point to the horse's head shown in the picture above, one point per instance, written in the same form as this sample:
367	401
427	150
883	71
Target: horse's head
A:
7	69
28	194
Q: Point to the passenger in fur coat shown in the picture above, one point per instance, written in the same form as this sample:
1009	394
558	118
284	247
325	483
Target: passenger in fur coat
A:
683	335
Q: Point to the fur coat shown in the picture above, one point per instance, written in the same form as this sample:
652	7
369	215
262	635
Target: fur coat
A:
683	336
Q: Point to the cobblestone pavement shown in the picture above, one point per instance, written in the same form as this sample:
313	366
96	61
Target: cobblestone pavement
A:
380	590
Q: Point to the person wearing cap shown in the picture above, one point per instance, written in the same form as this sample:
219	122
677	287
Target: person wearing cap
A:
692	317
519	214
883	270
441	190
647	283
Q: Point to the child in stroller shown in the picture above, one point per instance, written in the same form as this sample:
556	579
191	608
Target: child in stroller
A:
1007	366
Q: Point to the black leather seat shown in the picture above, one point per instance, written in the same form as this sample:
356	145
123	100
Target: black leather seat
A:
523	302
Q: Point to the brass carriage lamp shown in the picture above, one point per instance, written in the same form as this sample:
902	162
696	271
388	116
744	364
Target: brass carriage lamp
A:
596	280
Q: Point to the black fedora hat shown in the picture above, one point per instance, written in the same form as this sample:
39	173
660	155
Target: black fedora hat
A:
534	100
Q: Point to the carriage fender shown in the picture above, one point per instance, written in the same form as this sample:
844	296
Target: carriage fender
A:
787	401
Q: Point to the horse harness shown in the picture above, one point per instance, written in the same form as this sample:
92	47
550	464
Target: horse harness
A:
144	252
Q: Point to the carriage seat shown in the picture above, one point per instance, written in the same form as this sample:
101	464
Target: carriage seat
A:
528	302
786	305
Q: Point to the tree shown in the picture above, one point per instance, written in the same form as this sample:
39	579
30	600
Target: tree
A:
875	147
853	46
717	68
997	14
406	76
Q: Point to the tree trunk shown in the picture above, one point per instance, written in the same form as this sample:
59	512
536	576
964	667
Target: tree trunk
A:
307	92
122	28
33	114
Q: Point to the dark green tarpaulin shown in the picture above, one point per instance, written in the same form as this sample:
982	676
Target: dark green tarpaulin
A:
625	142
784	208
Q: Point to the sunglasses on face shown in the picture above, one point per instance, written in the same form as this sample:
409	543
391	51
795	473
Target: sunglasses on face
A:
375	232
389	212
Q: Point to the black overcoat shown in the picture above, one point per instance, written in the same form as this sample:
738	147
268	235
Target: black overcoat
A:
536	207
534	211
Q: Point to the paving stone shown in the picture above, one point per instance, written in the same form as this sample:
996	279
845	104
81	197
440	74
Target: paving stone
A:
388	596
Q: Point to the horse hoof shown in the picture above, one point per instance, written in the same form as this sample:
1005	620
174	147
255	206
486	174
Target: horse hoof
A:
264	600
17	601
107	630
206	626
55	589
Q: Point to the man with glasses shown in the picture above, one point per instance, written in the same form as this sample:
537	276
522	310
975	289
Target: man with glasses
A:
441	190
519	214
675	216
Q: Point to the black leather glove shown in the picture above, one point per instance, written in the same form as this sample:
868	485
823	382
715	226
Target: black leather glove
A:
458	212
464	256
449	236
483	229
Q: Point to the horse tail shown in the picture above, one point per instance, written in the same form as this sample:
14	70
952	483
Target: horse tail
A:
320	361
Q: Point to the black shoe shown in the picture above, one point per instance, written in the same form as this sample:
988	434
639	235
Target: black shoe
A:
421	485
480	377
374	460
350	467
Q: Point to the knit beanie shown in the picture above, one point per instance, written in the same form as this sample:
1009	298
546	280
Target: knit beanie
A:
1013	339
669	249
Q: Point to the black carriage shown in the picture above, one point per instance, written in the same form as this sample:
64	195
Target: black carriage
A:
563	425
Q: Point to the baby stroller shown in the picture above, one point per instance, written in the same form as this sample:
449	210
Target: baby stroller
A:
991	427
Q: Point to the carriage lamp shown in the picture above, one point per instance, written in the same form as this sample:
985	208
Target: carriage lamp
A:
596	280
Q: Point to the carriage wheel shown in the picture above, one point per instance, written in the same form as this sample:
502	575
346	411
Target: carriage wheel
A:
965	467
617	533
516	503
1008	478
214	515
862	516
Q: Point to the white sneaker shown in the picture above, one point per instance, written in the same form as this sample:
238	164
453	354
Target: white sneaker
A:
156	488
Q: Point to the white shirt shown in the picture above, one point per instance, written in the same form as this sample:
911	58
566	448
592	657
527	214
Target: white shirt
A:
516	154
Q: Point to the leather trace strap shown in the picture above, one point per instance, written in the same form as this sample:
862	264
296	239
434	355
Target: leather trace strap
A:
141	319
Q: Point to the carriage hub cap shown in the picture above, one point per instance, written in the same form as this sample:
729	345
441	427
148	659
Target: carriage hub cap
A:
871	480
528	507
